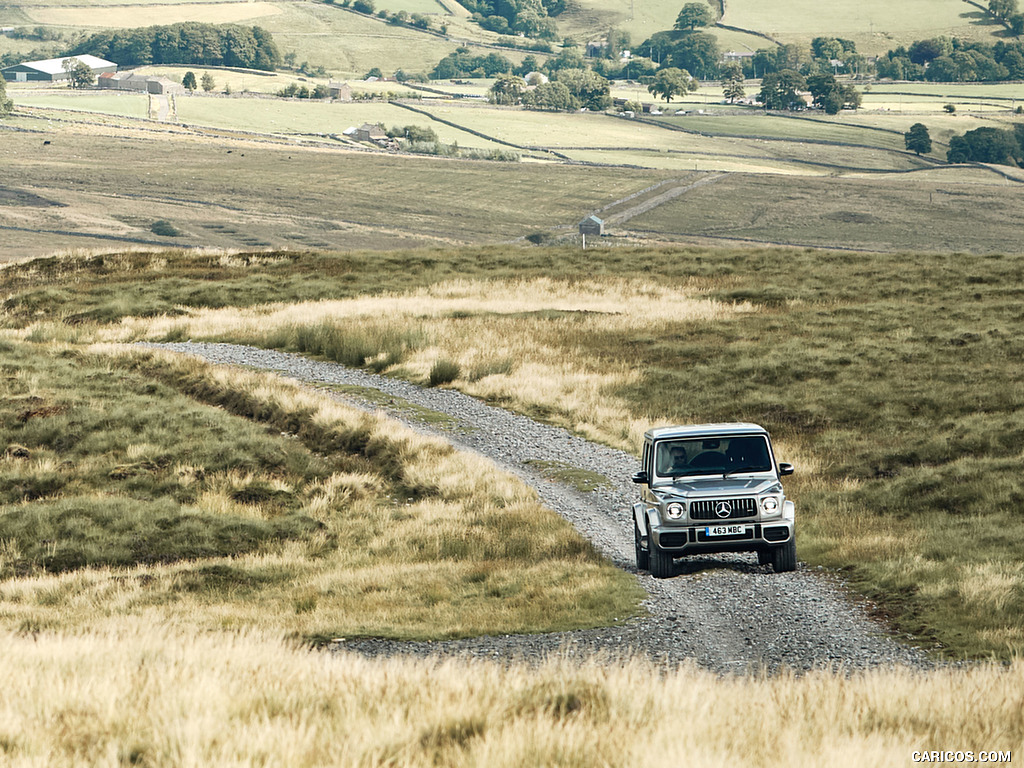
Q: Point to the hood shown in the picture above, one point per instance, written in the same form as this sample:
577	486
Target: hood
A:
717	487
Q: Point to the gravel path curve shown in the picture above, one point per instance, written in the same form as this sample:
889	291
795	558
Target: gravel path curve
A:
725	613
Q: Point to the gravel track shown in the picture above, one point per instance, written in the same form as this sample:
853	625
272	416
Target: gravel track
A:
726	613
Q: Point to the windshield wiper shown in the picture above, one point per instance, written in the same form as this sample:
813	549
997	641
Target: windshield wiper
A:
744	469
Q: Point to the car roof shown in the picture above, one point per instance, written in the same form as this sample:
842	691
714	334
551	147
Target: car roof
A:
704	430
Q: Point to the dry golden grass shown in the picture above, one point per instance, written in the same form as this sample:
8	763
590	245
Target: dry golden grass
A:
520	342
425	542
146	15
154	695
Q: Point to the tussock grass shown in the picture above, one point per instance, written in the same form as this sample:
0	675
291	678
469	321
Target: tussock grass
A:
131	694
888	379
153	486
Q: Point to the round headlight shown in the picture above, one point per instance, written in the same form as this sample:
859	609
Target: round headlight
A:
770	505
674	510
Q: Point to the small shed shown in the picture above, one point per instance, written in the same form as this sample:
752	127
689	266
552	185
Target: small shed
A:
340	91
592	226
369	132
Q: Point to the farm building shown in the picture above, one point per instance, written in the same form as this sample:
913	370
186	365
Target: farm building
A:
127	81
369	132
52	70
340	91
592	226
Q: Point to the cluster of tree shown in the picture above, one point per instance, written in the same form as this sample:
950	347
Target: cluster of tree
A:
532	18
296	91
227	45
781	90
423	141
463	63
1006	12
943	59
570	89
399	18
42	34
988	145
6	105
190	84
696	52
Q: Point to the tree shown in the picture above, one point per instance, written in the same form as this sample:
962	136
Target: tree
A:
1002	9
779	90
189	81
589	88
207	82
694	15
507	90
732	84
670	82
697	52
6	105
830	95
79	73
551	96
917	139
985	145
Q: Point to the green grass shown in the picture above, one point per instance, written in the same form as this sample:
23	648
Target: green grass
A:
877	214
127	104
582	480
755	124
875	25
394	403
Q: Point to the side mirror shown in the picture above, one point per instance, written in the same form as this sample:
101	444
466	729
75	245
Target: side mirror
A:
785	469
640	478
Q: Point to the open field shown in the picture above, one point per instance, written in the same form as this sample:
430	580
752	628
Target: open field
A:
161	697
876	26
107	102
884	377
624	141
876	213
105	176
92	183
149	14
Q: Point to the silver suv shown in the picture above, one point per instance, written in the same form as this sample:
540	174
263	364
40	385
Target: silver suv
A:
712	488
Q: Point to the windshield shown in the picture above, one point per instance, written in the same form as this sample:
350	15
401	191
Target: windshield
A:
712	456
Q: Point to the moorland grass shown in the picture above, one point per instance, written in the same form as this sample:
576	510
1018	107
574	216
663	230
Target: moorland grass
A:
130	694
889	379
135	484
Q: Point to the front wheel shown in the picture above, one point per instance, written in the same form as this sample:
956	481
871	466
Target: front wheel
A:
660	560
643	559
784	557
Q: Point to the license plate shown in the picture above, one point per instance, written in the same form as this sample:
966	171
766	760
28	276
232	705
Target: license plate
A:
725	530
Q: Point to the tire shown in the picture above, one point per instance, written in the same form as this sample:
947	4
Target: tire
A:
784	557
660	560
764	557
643	557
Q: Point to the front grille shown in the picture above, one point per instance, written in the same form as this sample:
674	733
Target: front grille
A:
705	509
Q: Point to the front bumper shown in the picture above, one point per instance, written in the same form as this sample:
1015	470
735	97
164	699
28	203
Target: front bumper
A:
757	536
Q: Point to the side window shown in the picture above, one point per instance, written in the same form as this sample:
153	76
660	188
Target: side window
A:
646	465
